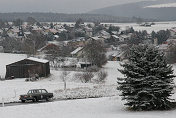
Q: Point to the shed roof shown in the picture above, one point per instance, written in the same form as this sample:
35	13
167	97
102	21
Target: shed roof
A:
38	60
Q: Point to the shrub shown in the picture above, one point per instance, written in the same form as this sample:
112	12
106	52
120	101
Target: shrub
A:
102	76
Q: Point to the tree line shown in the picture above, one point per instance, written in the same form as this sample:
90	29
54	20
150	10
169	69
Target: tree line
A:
59	17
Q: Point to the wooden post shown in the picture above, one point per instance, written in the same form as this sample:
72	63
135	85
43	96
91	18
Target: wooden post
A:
2	102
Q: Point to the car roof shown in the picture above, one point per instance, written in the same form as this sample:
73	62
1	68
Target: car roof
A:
36	89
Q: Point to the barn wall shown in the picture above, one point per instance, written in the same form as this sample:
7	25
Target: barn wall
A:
27	68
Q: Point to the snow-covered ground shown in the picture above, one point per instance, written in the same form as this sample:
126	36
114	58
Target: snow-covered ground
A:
111	107
162	5
106	107
157	27
11	89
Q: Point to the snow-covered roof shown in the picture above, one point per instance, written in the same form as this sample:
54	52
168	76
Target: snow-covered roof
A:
173	29
77	50
124	36
171	40
53	30
16	30
114	32
56	36
36	28
88	29
95	38
27	33
79	39
104	33
163	47
38	60
84	63
117	54
62	29
115	36
55	42
104	37
46	27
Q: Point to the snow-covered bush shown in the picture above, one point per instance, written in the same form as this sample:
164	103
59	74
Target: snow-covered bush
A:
84	77
102	76
93	69
33	78
87	77
148	81
86	92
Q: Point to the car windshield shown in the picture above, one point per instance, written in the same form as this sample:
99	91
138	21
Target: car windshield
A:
29	92
44	91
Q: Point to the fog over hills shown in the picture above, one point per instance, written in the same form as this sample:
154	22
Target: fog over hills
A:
160	9
57	6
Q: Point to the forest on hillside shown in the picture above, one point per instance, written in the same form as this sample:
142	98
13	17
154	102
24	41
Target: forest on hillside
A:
59	17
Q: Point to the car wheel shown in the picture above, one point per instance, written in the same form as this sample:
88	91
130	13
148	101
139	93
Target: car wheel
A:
34	100
47	99
23	101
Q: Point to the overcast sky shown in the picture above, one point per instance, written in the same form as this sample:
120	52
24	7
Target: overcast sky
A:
59	6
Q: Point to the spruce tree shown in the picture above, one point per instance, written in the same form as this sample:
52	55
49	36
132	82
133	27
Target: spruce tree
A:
148	81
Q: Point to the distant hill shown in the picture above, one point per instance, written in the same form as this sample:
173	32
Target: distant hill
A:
57	17
159	10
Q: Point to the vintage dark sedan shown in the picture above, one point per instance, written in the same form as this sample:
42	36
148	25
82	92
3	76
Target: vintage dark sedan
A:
36	95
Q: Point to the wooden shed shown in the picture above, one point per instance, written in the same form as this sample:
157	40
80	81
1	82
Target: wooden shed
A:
27	68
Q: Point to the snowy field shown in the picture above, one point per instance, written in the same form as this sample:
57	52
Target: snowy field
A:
105	107
157	27
162	5
110	107
11	89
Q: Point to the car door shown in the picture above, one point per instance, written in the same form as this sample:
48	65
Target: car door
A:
41	96
44	93
37	94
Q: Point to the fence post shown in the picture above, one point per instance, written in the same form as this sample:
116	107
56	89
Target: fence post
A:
2	102
15	93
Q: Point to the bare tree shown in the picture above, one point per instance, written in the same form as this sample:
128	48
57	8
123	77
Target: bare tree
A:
35	41
171	53
84	77
64	77
95	52
18	22
31	21
87	77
